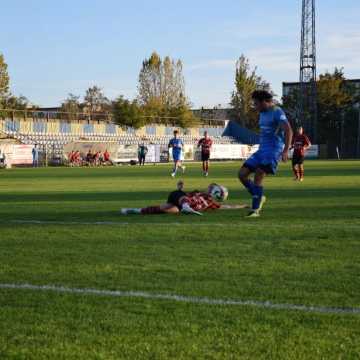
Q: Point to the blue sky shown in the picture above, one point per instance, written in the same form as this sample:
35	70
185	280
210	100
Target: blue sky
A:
56	47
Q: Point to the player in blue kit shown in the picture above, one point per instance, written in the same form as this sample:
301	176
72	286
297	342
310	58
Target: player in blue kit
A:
275	140
177	146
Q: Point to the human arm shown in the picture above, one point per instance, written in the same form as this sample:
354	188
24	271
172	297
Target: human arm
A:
285	126
292	142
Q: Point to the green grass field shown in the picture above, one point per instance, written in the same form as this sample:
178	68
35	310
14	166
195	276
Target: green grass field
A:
304	250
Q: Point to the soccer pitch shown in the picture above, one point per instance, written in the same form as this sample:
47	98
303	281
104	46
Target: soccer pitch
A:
304	251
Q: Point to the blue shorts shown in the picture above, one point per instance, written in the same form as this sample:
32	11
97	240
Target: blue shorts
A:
177	155
267	162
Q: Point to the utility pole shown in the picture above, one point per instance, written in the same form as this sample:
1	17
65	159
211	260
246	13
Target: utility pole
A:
307	114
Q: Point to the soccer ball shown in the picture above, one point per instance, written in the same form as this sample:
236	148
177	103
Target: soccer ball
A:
218	192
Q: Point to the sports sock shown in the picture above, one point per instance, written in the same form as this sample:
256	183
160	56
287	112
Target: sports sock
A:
250	186
151	210
301	175
258	193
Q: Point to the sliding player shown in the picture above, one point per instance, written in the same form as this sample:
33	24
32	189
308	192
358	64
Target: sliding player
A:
194	202
177	146
205	143
300	144
275	140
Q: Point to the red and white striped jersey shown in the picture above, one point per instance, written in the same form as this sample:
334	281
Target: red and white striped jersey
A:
200	201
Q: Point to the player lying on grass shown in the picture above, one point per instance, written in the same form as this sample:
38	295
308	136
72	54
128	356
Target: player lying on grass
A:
194	202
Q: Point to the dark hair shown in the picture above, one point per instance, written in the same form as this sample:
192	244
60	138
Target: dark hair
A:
261	95
176	131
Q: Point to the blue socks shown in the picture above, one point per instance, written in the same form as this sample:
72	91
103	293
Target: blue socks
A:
258	193
250	186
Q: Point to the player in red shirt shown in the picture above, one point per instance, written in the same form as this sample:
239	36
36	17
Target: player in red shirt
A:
300	144
205	143
179	201
106	156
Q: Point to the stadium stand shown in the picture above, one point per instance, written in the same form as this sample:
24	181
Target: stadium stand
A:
51	134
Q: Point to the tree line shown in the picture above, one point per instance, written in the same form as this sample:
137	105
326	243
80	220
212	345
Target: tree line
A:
161	98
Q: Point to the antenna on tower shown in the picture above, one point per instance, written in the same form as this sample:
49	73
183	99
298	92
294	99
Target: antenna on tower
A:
307	114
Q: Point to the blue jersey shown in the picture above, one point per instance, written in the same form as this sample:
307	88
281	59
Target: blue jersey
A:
176	145
272	137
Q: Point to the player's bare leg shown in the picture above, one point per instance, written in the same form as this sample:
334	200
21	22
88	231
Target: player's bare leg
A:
301	172
176	166
161	209
183	167
296	172
244	177
206	168
244	174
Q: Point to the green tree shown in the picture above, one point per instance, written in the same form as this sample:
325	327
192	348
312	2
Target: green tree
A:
8	100
335	102
161	91
71	106
96	102
127	113
183	117
246	82
336	99
150	81
4	78
13	103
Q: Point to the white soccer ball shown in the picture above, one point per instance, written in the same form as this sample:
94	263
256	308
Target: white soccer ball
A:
218	192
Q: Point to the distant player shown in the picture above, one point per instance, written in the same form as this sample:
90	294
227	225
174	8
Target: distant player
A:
177	147
194	202
142	152
275	140
35	156
300	144
205	143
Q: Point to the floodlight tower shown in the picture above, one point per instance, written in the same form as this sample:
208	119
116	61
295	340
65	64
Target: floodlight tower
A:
307	102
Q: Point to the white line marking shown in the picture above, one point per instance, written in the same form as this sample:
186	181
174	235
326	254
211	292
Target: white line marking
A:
243	223
184	299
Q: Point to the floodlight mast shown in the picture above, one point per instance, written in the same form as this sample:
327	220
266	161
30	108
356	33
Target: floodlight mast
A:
307	114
